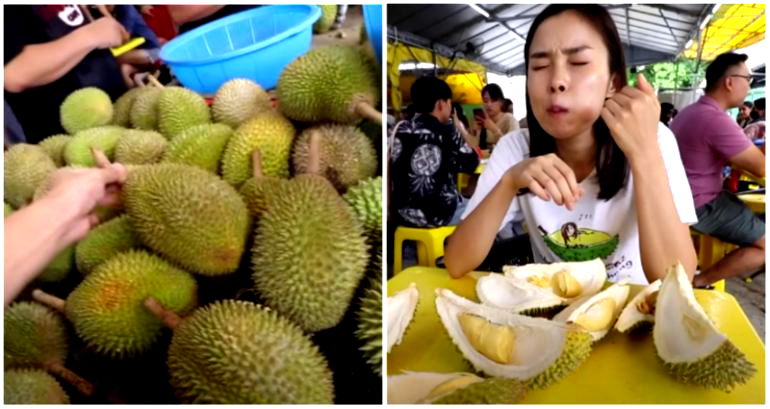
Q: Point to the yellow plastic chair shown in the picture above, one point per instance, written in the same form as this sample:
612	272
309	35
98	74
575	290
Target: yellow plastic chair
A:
430	245
462	181
710	252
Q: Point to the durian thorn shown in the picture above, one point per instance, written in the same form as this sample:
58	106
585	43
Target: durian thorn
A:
154	82
365	110
256	164
49	300
169	318
314	160
100	158
82	385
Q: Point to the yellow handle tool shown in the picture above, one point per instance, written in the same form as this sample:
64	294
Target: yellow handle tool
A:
118	51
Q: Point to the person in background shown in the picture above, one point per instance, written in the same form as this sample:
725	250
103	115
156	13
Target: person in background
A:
36	233
708	140
744	114
51	51
508	106
666	112
495	122
755	130
457	110
426	154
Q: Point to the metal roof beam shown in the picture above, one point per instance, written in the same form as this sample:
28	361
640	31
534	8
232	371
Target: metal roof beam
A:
696	28
450	15
470	23
532	16
675	20
675	10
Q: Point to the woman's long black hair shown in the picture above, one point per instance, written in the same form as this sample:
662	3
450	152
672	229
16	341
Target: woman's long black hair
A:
611	163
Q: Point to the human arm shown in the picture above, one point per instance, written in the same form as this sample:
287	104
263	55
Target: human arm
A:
751	160
182	14
632	117
41	64
464	132
35	234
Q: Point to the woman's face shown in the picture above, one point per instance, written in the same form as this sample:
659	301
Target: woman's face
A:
744	112
491	107
568	77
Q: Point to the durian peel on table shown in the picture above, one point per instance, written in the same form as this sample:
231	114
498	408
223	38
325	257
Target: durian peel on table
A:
622	368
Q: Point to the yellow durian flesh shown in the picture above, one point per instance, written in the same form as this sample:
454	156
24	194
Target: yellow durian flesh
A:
598	316
493	341
565	285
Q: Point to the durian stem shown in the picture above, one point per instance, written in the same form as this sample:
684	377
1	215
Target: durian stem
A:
49	300
367	111
100	158
82	385
154	81
169	318
314	156
256	164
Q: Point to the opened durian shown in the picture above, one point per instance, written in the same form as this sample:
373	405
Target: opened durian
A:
508	345
452	388
640	312
597	313
690	345
400	311
536	289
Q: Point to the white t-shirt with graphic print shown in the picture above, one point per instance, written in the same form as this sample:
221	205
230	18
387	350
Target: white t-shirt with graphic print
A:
596	227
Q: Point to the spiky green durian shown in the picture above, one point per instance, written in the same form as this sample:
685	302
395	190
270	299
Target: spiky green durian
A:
54	146
85	108
269	132
123	105
34	336
144	110
346	155
58	269
180	108
309	253
253	354
238	100
107	308
140	147
328	15
104	242
369	317
689	344
200	145
26	168
103	138
336	83
188	215
32	387
489	391
453	388
365	198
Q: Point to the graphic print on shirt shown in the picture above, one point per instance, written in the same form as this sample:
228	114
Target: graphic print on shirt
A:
573	243
71	16
426	160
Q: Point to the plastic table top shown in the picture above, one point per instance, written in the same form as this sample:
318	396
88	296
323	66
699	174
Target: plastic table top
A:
622	368
755	201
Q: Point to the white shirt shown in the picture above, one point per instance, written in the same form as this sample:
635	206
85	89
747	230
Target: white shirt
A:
605	228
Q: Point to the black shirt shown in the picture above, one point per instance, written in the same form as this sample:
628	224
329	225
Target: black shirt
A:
37	109
426	155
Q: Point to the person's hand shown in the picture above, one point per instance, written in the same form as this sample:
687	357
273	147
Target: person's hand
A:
78	191
548	177
457	122
488	123
632	116
128	71
105	32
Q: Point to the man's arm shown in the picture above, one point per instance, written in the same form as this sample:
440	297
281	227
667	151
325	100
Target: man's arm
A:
41	64
751	160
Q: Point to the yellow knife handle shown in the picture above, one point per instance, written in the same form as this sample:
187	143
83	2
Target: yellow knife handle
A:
118	51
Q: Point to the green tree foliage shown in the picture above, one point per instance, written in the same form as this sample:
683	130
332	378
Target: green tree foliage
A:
680	73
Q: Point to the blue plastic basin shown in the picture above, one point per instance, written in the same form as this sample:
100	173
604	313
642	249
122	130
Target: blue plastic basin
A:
255	44
373	23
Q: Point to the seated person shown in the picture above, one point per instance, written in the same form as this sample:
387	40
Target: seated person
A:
755	130
426	154
708	140
587	165
496	121
744	114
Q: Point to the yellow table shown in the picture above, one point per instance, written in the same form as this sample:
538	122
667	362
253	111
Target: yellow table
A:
621	369
755	201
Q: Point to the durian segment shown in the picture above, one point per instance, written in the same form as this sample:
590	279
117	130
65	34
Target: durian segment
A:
638	310
452	388
690	345
542	351
518	296
597	313
400	311
496	342
569	280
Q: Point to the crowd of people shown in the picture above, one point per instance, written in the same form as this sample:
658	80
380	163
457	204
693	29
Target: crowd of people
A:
592	156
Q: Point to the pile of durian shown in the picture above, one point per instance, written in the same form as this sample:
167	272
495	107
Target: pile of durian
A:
537	323
280	205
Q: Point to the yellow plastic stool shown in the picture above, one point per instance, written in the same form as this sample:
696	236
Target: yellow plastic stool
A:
711	251
430	245
462	181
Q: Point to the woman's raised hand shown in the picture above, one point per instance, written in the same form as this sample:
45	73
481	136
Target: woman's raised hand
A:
632	116
548	177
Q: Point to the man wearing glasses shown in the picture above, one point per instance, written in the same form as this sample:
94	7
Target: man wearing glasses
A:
708	140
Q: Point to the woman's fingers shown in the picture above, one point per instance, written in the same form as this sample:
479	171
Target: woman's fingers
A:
568	198
569	175
538	190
